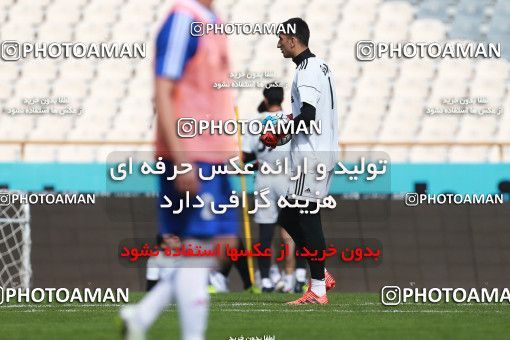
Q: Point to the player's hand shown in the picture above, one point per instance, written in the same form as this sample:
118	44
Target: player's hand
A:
188	182
171	241
269	139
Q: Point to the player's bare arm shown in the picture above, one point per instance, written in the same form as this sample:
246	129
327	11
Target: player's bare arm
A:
189	181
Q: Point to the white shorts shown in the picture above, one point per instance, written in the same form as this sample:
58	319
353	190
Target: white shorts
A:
277	185
152	269
164	267
307	187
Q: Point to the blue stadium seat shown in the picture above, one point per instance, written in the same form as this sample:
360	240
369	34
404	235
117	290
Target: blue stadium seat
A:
503	39
502	7
434	9
472	7
466	27
500	24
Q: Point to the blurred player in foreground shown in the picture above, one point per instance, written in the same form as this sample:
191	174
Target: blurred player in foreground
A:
312	99
153	270
186	68
254	150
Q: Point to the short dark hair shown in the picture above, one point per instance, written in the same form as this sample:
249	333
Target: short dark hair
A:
262	107
302	32
273	93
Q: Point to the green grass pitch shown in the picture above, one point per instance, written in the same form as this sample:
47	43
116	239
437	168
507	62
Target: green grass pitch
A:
348	316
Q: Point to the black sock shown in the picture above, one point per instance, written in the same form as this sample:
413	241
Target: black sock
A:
290	221
314	240
226	267
266	231
300	262
242	267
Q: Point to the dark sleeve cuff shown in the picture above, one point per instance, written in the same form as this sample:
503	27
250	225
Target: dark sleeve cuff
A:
307	114
248	157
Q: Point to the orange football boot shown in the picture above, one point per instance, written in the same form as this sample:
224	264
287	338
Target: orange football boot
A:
330	280
310	297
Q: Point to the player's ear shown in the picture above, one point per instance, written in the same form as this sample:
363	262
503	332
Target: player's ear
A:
292	41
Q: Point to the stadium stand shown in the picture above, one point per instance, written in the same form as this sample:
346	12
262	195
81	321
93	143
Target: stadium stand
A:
380	101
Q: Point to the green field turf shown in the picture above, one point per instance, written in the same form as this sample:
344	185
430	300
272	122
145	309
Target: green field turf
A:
348	316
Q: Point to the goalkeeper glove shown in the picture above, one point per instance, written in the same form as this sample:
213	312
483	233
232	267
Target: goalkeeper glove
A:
269	139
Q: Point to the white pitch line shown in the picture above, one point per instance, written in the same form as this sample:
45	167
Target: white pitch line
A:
29	305
352	311
359	304
240	304
220	306
291	310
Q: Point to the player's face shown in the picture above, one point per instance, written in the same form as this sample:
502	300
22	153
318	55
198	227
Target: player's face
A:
206	3
285	45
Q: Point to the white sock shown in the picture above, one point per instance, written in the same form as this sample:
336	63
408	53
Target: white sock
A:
301	274
274	274
288	281
267	283
219	281
192	301
319	287
155	301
